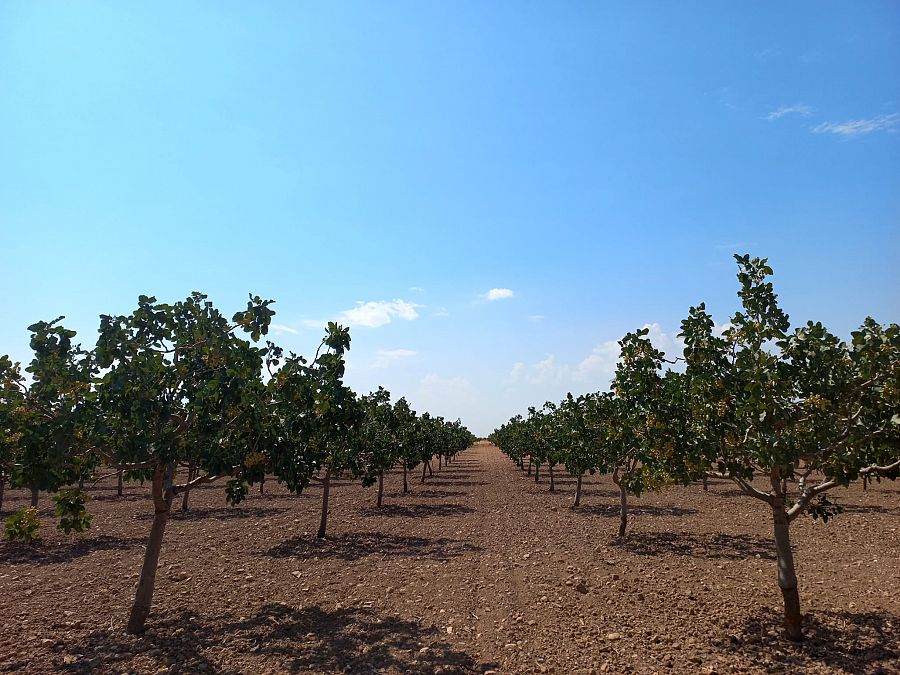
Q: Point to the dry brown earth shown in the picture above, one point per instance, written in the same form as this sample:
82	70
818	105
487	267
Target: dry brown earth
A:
479	569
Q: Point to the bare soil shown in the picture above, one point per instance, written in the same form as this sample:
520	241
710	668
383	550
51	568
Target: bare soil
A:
479	569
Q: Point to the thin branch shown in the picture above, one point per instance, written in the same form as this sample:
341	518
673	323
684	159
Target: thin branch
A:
879	469
806	497
190	485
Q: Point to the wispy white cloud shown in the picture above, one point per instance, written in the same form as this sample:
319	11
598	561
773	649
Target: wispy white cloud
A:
852	128
536	317
416	289
384	358
767	53
498	294
280	328
596	369
374	314
797	109
442	312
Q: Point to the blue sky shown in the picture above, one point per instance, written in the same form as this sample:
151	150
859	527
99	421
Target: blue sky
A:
388	164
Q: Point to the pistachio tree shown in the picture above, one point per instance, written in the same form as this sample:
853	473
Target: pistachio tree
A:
786	415
11	398
406	439
631	423
319	416
181	383
378	438
51	411
581	426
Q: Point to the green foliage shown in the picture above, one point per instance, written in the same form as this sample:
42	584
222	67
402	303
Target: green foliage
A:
46	422
824	509
800	408
180	384
236	490
70	507
23	526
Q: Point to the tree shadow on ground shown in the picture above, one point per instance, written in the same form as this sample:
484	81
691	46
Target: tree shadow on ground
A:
610	510
866	508
417	510
433	494
280	638
356	545
724	546
41	553
443	473
852	642
217	512
587	492
452	482
124	498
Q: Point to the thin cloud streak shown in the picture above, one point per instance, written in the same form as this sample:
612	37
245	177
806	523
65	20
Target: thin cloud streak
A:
853	128
797	109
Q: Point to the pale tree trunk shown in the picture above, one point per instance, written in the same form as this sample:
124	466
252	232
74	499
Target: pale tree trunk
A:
162	506
326	486
705	484
430	470
405	483
537	472
380	487
623	503
120	482
529	466
787	575
34	498
865	482
578	491
424	469
262	485
552	484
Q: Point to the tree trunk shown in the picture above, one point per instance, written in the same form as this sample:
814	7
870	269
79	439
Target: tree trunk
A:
865	482
578	491
537	472
405	483
787	576
162	506
262	485
34	498
185	500
380	487
2	487
623	503
326	486
552	484
705	484
529	466
430	470
424	469
120	482
439	462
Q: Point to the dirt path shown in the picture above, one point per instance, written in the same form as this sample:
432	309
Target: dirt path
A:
477	569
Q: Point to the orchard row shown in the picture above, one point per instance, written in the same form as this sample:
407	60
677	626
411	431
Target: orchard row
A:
179	386
785	414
